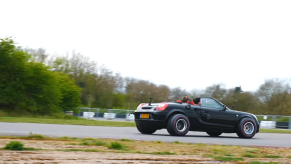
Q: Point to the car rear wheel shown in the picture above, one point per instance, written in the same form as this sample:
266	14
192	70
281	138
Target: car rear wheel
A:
214	134
178	125
246	128
145	130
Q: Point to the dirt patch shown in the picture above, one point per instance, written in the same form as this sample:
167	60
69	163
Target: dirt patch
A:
87	151
56	157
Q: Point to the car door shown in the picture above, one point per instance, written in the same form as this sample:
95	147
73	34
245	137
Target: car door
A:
196	123
213	114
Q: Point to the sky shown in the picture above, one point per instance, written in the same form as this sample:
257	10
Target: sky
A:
187	44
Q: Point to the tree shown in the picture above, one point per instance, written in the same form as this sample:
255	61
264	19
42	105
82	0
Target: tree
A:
28	86
70	92
12	66
274	97
177	94
216	91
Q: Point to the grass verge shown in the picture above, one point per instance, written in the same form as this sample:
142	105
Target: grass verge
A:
275	131
79	121
207	152
200	151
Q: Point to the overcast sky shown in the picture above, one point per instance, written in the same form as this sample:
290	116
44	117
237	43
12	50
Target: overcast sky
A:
188	44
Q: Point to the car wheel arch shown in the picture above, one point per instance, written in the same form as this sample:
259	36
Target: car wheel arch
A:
173	113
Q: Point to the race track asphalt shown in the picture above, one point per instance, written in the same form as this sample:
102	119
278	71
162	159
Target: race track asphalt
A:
53	130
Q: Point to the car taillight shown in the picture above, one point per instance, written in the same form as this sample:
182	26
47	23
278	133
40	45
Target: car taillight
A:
161	107
140	105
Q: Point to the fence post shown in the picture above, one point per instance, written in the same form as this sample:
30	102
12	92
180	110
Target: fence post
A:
289	122
275	120
97	114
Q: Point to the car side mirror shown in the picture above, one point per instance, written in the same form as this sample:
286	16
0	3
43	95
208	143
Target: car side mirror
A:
224	108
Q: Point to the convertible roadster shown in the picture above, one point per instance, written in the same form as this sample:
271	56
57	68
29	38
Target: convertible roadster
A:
209	115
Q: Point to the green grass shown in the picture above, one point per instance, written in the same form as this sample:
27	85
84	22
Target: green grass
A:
250	155
272	156
67	138
116	145
219	158
84	150
164	153
275	131
228	159
93	143
70	150
257	162
127	140
35	136
79	121
252	151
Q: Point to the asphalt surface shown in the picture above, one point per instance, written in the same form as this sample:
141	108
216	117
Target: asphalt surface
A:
53	130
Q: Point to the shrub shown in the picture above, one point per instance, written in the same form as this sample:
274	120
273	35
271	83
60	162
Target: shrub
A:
2	113
99	143
115	145
35	136
14	145
128	140
93	143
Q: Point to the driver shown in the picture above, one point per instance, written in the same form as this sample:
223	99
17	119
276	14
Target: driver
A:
197	101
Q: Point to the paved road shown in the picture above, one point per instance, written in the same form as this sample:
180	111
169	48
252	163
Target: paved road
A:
52	130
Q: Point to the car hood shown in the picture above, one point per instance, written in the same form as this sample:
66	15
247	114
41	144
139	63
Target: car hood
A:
246	113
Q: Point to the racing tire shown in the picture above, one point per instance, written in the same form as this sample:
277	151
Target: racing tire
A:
145	130
214	134
178	125
246	128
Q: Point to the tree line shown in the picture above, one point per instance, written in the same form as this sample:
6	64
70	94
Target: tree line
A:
36	82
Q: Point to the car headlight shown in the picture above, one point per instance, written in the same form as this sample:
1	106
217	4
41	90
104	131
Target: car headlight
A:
255	117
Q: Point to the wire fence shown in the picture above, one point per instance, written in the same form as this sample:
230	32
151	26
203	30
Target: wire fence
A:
266	121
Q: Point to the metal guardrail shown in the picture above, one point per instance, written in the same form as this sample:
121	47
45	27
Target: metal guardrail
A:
107	114
274	121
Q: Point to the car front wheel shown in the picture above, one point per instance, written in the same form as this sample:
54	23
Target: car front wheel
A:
178	125
145	130
214	134
246	128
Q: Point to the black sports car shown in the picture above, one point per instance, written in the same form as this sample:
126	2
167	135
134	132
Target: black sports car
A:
210	116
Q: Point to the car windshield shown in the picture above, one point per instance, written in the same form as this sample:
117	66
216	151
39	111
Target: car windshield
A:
208	102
